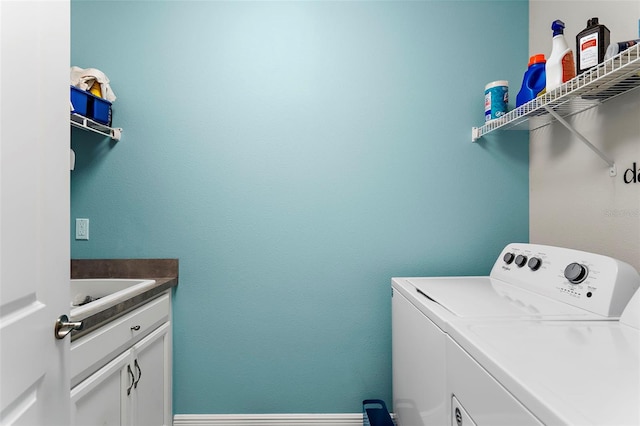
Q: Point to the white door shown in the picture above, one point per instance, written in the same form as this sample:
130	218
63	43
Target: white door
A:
34	210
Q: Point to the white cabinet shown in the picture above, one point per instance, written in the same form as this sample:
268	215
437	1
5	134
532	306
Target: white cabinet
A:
99	400
151	389
134	386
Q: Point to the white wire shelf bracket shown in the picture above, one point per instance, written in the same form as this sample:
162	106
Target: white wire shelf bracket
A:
612	166
608	80
85	123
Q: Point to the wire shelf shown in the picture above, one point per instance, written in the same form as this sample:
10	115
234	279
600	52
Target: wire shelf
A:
82	122
612	78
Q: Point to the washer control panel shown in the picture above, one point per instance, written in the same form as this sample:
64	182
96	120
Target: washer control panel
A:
596	283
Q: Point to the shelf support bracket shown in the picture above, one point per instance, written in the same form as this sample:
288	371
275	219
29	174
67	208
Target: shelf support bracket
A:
612	165
475	134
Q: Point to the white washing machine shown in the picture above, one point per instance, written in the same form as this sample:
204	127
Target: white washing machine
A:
528	282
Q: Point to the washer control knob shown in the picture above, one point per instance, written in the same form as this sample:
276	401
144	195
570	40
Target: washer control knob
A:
508	258
521	260
535	263
576	273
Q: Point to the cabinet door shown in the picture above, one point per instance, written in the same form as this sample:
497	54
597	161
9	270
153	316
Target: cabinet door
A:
152	366
101	399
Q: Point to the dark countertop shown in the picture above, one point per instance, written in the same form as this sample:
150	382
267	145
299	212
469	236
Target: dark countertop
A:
163	271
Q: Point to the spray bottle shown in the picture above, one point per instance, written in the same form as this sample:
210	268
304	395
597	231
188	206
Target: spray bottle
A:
560	66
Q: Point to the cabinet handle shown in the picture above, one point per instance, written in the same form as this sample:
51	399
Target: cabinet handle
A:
135	328
133	379
135	363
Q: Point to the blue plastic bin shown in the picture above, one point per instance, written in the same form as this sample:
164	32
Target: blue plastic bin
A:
101	111
91	106
375	413
80	101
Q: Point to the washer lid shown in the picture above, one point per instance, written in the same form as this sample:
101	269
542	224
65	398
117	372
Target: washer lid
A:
488	297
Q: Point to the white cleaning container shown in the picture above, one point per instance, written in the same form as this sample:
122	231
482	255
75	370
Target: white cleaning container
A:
496	99
561	66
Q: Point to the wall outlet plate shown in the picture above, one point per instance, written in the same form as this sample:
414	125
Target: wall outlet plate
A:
82	229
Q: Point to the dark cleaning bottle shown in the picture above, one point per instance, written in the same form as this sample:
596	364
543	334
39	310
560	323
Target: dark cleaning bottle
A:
591	45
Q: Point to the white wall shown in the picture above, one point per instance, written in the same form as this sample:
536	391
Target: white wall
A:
573	201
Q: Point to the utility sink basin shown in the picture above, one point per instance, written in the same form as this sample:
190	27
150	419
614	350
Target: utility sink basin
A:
90	296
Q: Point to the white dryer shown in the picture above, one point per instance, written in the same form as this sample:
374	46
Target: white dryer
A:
560	372
527	283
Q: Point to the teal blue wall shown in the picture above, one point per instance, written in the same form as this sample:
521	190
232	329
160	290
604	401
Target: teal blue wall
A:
295	156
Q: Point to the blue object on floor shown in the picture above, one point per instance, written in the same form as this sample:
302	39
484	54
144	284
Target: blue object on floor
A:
375	413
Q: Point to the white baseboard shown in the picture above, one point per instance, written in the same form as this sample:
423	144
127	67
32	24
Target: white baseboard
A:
348	419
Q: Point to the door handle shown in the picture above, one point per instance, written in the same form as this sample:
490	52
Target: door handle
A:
64	326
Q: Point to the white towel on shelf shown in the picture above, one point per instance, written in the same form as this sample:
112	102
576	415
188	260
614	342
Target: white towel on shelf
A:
83	79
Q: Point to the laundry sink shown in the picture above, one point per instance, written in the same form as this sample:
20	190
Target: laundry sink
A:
92	295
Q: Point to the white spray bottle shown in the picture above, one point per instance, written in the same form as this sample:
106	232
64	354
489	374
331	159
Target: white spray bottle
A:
560	66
